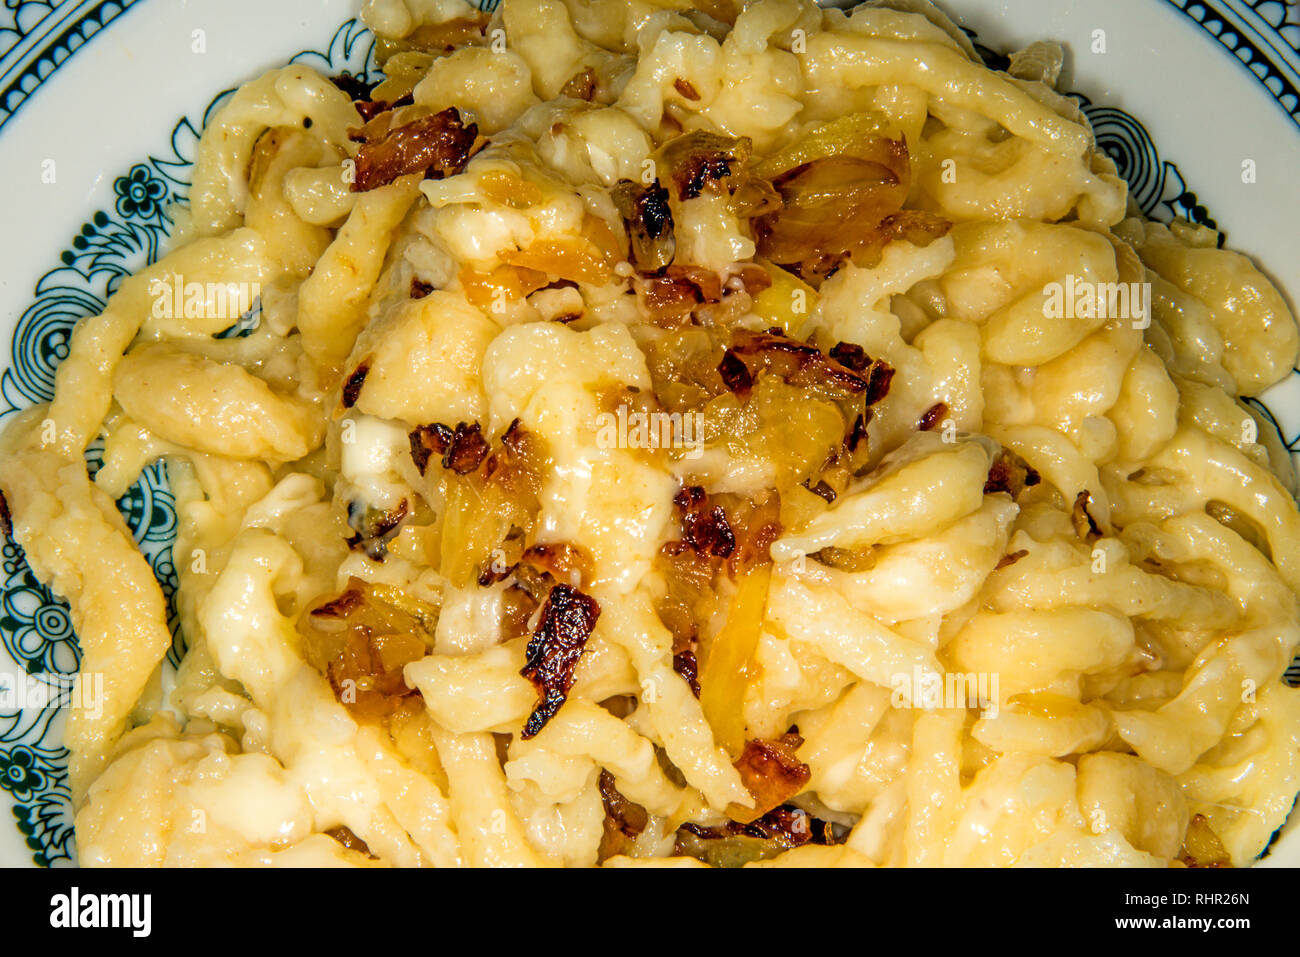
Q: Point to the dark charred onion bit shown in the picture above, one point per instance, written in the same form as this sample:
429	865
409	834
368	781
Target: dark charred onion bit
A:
420	289
624	820
1010	473
792	825
858	433
463	449
568	619
734	845
700	160
878	382
428	441
686	665
437	145
346	837
686	89
932	416
1085	526
850	355
490	504
360	92
374	528
707	283
354	86
560	560
795	826
505	560
705	530
379	117
798	363
821	490
352	385
649	222
772	773
361	642
1006	561
467	449
6	520
735	374
581	86
368	111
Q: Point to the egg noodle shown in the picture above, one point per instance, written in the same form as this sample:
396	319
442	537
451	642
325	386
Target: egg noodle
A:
645	432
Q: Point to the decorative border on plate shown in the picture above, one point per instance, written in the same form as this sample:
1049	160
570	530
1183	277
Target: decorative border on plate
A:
1264	35
35	625
37	43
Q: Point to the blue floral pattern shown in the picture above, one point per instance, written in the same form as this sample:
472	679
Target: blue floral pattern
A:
140	194
20	774
35	625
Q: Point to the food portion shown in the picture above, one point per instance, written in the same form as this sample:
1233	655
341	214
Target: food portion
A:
715	434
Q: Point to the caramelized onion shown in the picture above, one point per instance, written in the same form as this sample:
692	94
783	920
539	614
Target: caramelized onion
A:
842	188
568	619
437	38
700	161
361	639
772	773
1085	526
649	222
437	145
1011	474
624	819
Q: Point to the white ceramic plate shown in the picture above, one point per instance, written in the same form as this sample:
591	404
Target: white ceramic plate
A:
94	142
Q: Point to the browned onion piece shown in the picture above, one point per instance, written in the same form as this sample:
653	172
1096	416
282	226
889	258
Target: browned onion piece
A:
624	819
846	205
1011	474
568	619
700	161
772	773
649	222
798	363
436	38
438	145
361	639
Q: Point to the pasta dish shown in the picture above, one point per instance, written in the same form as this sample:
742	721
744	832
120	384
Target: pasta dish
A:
661	433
